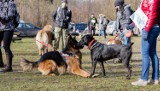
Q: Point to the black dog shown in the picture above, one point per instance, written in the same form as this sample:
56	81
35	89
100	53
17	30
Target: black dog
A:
101	52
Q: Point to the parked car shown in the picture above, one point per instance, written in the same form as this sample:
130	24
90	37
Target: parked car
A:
16	36
111	28
27	30
78	28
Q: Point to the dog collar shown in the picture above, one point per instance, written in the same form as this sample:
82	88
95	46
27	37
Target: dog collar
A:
90	44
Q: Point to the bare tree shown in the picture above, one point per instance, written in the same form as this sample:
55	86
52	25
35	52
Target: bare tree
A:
39	12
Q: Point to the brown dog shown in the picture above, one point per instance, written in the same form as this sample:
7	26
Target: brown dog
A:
44	39
54	63
114	41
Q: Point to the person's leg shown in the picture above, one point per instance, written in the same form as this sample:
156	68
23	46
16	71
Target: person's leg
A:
145	46
153	54
90	30
58	33
7	38
65	38
1	59
93	31
99	33
155	61
104	32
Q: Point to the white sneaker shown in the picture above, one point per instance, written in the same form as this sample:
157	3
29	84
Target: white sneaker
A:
155	82
140	82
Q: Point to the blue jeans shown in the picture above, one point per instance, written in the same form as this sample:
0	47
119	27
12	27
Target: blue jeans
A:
126	40
103	33
148	50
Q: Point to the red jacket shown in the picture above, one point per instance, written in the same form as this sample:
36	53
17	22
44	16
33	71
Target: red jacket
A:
152	9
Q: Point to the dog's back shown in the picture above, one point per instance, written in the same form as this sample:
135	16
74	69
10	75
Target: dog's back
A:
113	41
43	38
48	63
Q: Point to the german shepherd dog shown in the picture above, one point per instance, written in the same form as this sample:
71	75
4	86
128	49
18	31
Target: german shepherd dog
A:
44	39
72	61
73	48
54	63
49	64
101	52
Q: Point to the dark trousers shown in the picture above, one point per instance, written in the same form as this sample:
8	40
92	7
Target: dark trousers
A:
6	36
92	30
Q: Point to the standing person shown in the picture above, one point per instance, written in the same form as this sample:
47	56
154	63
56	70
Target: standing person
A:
8	22
62	16
92	24
102	25
123	19
105	23
151	8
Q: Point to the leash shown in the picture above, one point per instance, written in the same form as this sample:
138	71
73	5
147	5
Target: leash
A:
44	44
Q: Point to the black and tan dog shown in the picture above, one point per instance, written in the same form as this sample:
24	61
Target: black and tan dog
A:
50	63
73	48
101	52
54	63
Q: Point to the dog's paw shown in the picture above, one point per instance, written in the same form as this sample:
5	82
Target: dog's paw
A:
128	77
95	75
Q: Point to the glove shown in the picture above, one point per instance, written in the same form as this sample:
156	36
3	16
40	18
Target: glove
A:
144	34
130	26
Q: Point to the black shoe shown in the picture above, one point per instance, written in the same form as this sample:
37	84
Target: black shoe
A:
6	70
1	65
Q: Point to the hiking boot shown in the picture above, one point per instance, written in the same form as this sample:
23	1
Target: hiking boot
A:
140	82
155	82
8	67
1	65
6	70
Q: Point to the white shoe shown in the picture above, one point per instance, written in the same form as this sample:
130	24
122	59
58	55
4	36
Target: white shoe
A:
155	82
140	82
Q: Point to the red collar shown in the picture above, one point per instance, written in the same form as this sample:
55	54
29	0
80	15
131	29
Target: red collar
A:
90	44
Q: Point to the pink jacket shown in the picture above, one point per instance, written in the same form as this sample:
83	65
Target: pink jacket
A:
152	9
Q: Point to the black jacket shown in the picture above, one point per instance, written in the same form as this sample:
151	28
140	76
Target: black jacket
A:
123	17
62	17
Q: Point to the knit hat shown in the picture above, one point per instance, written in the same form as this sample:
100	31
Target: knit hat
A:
64	1
118	2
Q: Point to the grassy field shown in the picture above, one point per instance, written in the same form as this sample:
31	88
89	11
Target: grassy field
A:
33	81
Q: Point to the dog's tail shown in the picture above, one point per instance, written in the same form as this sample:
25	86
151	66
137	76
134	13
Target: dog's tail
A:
27	65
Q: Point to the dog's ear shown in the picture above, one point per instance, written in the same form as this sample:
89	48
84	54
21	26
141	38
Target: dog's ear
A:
69	35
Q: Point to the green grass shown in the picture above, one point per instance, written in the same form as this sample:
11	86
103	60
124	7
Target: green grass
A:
33	81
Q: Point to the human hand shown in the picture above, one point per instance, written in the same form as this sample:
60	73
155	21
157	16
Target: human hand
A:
130	26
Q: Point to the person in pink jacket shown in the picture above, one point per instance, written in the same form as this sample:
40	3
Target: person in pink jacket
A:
150	32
